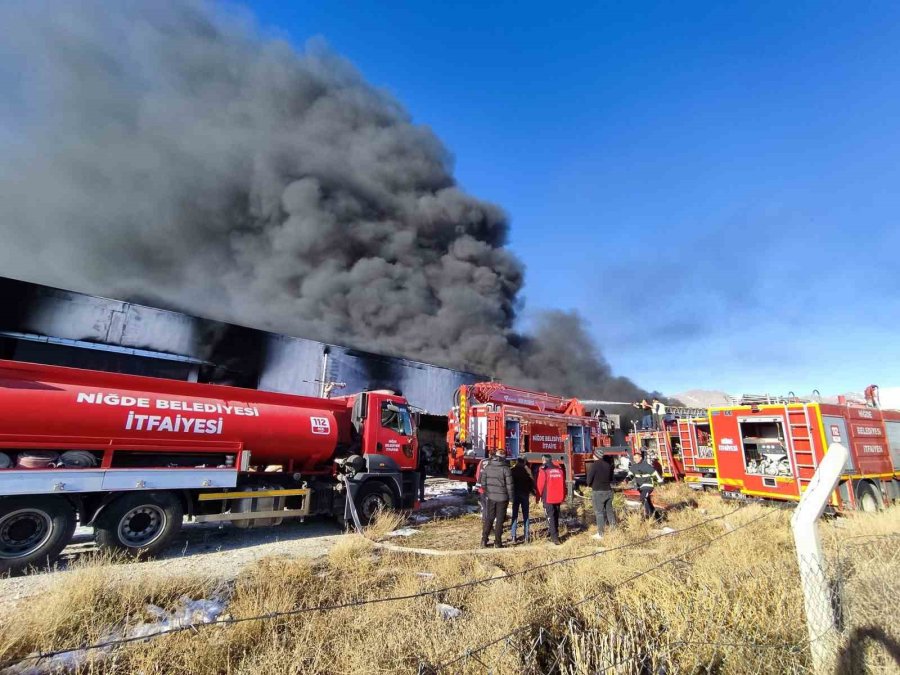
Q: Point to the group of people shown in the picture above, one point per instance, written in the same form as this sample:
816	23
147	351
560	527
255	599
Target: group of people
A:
601	476
499	484
654	413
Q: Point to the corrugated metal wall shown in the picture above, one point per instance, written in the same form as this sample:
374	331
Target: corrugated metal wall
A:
48	325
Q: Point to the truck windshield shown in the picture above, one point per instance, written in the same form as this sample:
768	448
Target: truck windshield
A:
577	436
396	418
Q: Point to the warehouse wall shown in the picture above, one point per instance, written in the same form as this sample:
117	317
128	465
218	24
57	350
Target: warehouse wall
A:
47	325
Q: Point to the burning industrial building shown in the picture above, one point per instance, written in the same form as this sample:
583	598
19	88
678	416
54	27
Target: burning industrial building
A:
172	153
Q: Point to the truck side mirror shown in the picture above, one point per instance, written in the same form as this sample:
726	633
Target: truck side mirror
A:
359	410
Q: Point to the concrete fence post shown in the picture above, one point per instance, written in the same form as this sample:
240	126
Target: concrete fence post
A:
820	618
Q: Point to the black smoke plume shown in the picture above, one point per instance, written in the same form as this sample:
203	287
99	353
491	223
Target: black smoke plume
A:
168	151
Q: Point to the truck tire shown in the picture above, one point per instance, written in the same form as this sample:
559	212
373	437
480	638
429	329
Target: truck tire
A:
868	498
139	523
33	531
372	497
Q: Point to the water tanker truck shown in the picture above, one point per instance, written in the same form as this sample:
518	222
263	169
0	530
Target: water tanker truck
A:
133	456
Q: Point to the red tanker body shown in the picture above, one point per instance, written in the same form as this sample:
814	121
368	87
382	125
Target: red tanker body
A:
130	455
297	431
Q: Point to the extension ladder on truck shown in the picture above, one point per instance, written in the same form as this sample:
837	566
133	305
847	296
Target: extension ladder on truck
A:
664	454
800	445
688	441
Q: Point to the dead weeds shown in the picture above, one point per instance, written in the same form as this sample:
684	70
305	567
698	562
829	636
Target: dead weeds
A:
691	602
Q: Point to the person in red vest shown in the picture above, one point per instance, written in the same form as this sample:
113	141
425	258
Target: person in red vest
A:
551	490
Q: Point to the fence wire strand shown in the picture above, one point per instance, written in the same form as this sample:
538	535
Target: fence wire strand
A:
469	653
109	644
857	627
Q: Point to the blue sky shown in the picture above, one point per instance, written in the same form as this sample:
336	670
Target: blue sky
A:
714	186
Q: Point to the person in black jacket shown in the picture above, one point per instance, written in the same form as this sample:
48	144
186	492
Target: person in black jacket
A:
600	478
523	488
497	482
422	468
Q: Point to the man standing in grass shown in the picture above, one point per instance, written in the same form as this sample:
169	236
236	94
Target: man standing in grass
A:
599	477
523	488
551	490
497	483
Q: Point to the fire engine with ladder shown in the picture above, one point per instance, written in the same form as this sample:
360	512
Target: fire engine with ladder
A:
682	446
770	447
489	416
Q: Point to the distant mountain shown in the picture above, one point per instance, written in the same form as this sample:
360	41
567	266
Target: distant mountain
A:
702	398
853	396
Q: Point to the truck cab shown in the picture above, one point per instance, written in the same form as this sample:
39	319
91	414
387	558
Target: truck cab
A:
382	424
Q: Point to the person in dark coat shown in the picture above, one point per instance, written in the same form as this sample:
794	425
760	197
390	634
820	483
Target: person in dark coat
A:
497	483
600	478
422	467
523	488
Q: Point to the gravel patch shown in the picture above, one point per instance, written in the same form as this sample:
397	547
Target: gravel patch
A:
200	549
222	551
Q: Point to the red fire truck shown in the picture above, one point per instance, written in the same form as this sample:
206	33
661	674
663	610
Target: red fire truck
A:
682	447
488	416
770	448
133	455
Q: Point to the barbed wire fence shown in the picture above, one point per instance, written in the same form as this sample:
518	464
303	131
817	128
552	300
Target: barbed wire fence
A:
599	633
864	596
860	637
542	652
836	639
107	645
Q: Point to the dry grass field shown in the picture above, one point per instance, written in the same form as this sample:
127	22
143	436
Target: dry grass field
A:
719	597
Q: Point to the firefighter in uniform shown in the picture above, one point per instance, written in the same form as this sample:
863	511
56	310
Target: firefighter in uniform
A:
551	490
645	479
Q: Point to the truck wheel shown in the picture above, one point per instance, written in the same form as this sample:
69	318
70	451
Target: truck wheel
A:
141	523
372	498
867	498
33	531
